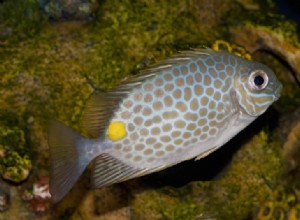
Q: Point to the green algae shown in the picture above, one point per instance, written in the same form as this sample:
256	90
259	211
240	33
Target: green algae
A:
244	185
24	17
166	203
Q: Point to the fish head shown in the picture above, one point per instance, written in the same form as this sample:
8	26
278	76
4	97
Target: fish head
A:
256	87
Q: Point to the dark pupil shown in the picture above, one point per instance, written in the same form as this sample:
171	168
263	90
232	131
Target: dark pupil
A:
258	80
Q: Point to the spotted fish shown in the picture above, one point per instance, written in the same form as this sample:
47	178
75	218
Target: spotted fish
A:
184	107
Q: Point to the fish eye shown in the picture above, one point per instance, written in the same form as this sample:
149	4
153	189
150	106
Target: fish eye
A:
258	80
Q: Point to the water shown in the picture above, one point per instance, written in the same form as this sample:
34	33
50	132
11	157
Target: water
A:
291	9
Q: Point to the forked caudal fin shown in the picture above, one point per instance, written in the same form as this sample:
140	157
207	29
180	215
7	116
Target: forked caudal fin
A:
66	158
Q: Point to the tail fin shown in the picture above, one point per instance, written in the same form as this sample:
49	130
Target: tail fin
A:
66	158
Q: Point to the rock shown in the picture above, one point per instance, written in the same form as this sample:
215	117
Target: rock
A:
4	197
19	171
68	9
291	148
15	164
282	42
281	203
37	196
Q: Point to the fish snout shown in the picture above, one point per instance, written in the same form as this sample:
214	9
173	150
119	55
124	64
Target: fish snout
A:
278	92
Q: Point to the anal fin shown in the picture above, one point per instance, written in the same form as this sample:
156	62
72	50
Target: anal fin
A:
108	170
206	153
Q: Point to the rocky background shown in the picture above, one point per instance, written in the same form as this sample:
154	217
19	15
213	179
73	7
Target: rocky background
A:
50	48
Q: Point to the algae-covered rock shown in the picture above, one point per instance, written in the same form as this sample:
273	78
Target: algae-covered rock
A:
19	19
186	202
15	164
15	168
243	183
291	147
281	203
66	9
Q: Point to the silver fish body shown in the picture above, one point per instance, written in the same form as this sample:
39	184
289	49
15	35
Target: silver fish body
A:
184	107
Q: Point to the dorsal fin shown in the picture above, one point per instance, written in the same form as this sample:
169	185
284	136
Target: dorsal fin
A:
97	113
164	65
101	105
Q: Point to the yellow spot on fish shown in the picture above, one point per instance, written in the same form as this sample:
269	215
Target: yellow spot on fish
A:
116	131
